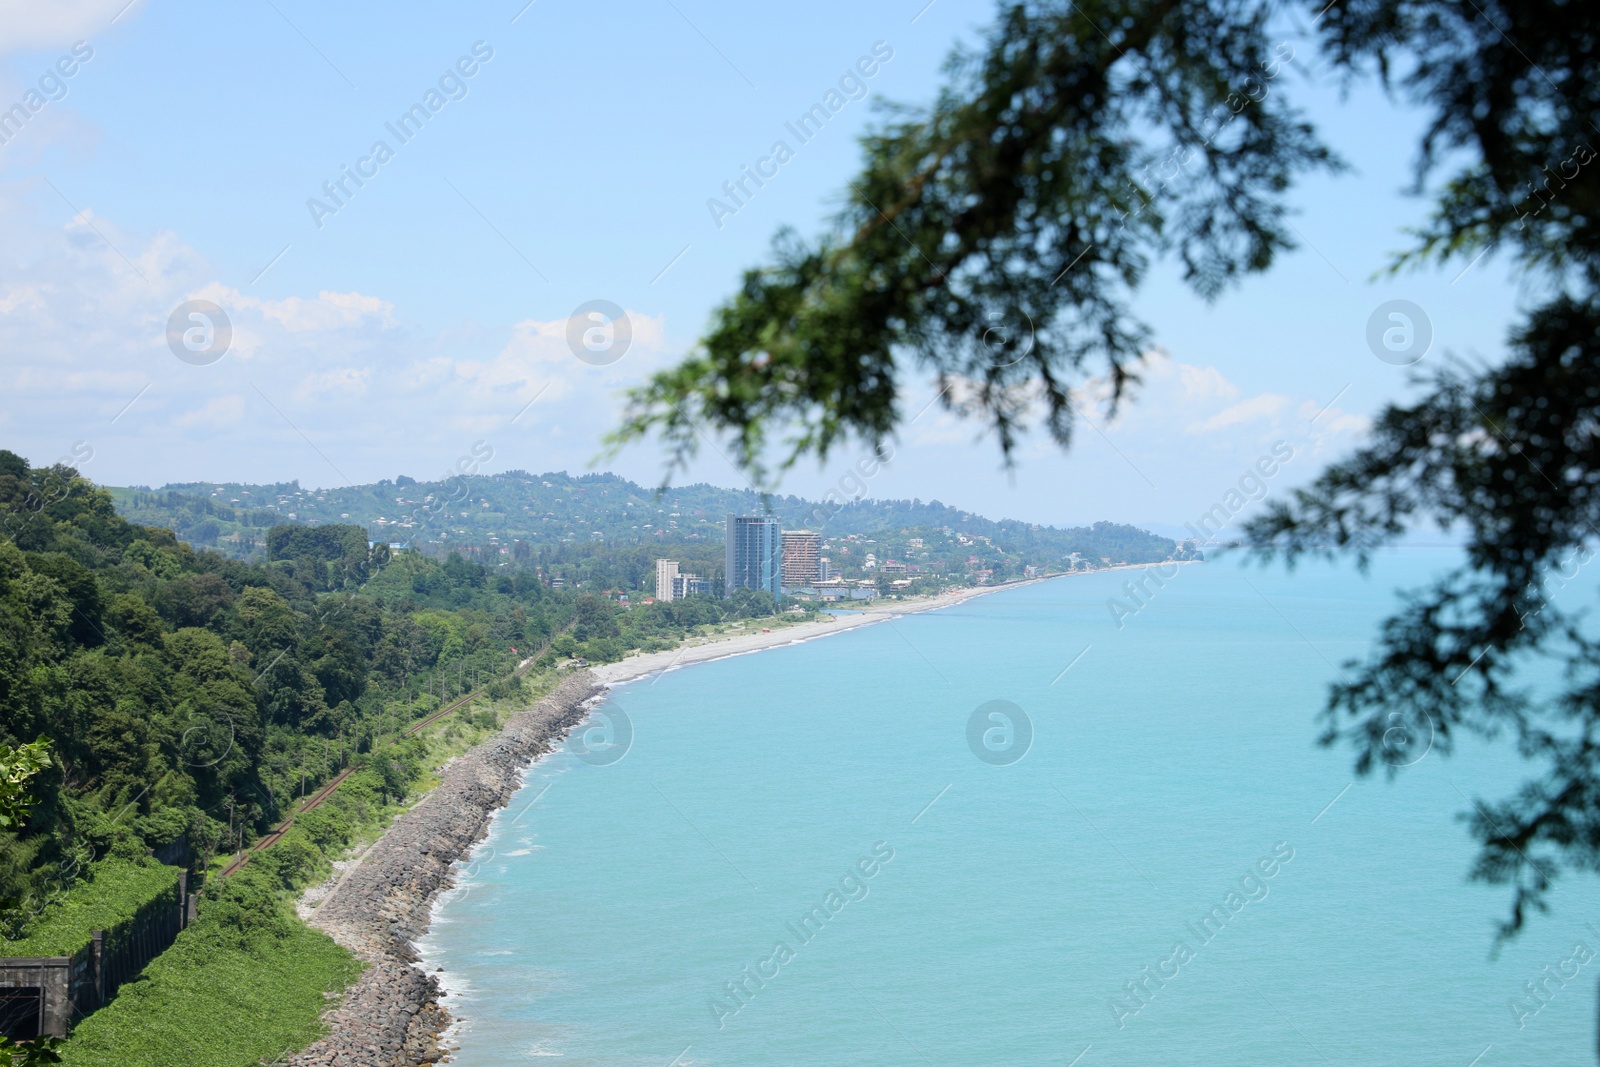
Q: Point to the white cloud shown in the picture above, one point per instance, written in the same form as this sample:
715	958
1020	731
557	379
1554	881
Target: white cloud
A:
1200	384
26	24
334	385
327	311
1257	408
217	412
321	387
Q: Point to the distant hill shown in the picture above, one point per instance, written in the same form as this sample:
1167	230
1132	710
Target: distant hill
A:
555	518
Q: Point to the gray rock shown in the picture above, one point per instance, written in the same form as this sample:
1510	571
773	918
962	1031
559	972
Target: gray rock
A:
391	1016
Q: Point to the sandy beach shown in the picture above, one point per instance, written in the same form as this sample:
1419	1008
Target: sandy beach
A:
718	646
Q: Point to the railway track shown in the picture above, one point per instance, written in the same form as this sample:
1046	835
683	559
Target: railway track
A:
317	799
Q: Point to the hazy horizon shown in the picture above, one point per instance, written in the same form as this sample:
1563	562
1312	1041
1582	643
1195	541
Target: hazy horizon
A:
430	311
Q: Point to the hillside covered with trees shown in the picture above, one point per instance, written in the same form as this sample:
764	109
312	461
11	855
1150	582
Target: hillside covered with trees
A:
161	704
189	698
601	530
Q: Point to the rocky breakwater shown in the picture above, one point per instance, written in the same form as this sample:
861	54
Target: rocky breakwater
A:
391	1017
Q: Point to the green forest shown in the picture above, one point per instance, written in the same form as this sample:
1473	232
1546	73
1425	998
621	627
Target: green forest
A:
162	703
190	698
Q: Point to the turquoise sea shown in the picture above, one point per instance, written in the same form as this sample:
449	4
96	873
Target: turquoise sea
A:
810	828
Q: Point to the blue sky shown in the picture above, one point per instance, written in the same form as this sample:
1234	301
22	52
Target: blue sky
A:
574	164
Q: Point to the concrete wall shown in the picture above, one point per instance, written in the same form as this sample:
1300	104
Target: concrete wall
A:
74	986
52	976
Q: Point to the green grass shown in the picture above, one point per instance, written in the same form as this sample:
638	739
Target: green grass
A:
244	983
116	893
461	730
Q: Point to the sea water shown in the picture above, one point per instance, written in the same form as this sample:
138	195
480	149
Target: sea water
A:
830	853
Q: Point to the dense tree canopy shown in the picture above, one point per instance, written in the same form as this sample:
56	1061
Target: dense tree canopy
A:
187	696
993	237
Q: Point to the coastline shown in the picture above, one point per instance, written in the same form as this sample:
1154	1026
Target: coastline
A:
722	646
381	904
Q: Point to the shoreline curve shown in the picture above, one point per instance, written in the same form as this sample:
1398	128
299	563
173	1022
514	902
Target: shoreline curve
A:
382	906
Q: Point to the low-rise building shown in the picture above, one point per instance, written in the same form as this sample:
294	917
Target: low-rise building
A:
690	585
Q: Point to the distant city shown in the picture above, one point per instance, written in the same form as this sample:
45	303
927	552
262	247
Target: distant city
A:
760	555
603	533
